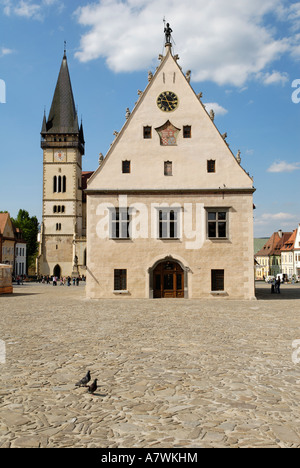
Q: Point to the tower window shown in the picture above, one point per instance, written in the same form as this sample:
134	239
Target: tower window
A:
54	184
64	188
187	131
147	133
126	169
58	226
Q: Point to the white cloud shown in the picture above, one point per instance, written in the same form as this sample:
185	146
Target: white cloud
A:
226	42
275	78
271	222
5	51
27	8
283	166
218	110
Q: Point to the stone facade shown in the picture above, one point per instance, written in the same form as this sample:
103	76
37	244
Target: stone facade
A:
170	209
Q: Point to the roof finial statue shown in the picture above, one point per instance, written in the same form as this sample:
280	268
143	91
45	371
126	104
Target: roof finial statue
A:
65	48
168	31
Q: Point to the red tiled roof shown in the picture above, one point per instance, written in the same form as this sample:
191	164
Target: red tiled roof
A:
3	220
290	243
274	245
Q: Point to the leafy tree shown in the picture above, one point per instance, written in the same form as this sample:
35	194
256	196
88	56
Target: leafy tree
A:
30	228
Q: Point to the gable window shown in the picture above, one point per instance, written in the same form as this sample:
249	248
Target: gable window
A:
126	167
119	224
168	224
211	165
168	168
120	280
217	280
147	133
187	131
217	224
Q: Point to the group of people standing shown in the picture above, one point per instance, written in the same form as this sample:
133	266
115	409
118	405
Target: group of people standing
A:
63	280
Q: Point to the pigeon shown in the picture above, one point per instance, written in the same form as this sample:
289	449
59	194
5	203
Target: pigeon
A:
93	387
83	382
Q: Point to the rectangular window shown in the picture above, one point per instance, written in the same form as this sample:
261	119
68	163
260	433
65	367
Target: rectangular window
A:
120	280
126	167
211	166
168	224
120	223
217	280
187	131
168	170
147	133
217	224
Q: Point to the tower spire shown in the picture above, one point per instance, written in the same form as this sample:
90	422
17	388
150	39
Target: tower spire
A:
63	116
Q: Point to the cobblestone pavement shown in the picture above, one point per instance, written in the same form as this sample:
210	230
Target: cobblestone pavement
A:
172	373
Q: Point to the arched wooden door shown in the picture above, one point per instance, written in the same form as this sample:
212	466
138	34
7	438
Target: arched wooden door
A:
168	279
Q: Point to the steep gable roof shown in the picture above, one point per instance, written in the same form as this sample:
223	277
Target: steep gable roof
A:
6	226
190	158
290	243
3	220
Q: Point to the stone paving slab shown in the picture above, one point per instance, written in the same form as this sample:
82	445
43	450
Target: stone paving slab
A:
172	373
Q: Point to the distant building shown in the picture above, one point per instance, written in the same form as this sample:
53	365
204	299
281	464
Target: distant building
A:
20	254
297	253
269	256
7	240
13	248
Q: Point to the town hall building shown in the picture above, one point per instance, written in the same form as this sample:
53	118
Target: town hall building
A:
170	209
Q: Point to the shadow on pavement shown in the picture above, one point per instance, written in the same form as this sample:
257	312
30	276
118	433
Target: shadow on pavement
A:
287	291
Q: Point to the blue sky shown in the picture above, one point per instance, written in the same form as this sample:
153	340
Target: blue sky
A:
244	56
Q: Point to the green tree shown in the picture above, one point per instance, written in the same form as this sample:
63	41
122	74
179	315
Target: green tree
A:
29	226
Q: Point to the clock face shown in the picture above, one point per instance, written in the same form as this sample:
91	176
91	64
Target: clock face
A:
167	101
60	156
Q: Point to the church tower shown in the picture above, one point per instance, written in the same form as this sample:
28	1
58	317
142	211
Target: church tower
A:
62	142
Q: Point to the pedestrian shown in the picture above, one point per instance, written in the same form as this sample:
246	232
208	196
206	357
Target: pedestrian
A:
278	285
69	281
273	286
77	281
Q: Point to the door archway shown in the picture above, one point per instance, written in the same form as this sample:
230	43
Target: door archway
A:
168	280
57	271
